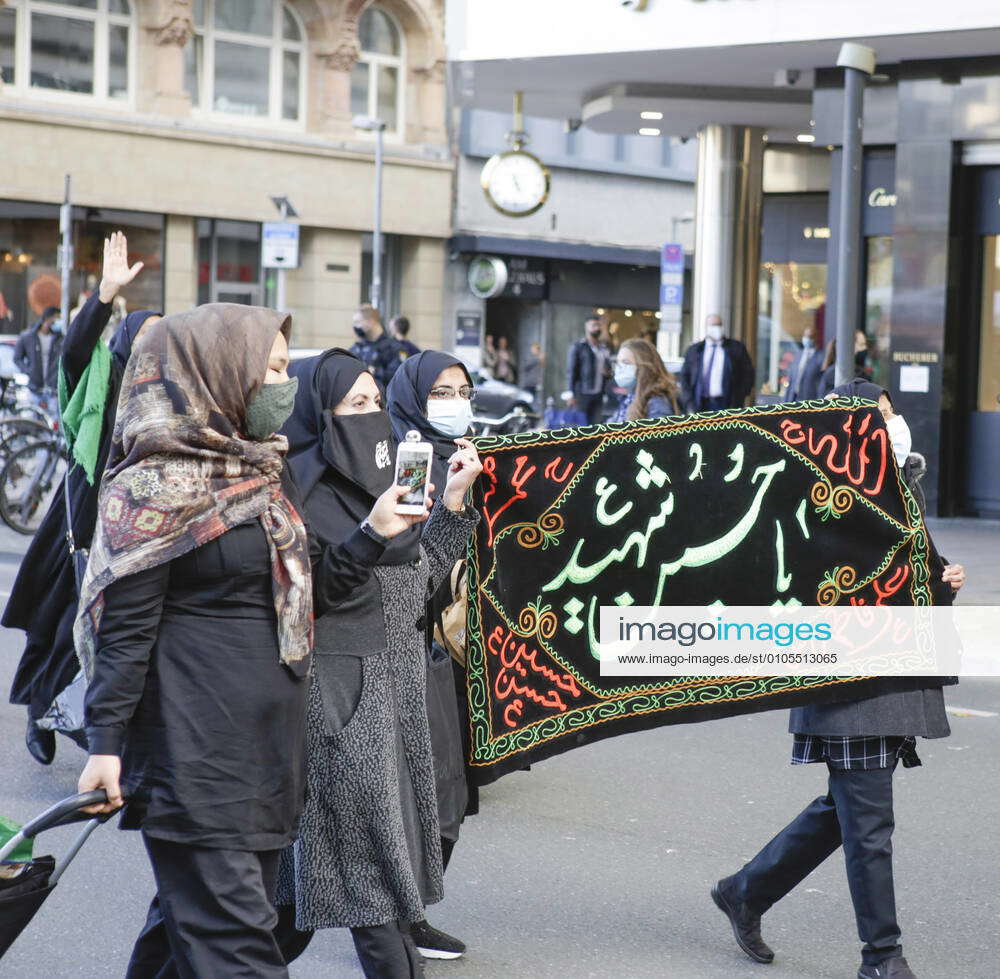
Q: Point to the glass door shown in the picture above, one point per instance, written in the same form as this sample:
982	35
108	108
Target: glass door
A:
229	262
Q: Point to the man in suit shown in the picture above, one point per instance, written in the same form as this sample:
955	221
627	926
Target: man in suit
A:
588	371
861	741
717	371
804	374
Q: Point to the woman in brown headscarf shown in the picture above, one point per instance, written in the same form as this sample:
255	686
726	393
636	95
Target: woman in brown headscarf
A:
195	631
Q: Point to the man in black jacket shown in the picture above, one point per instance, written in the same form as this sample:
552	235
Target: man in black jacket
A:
861	741
37	353
588	370
374	346
717	371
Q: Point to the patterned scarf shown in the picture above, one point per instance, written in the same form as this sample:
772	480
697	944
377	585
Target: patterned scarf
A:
181	473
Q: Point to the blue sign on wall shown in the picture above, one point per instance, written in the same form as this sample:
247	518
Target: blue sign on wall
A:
671	287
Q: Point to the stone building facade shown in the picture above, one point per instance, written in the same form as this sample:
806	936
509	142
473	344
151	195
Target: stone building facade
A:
178	120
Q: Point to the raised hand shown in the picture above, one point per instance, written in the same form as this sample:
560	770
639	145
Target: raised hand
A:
116	273
464	468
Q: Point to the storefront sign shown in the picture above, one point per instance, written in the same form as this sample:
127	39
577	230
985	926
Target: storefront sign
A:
487	276
527	278
914	378
671	287
880	197
280	245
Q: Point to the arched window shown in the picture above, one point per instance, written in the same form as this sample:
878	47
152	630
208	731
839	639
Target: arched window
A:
377	78
246	59
79	47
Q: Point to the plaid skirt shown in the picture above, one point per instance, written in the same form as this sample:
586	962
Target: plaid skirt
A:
855	753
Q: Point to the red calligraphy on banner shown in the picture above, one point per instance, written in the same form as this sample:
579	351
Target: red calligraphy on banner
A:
513	679
517	481
842	455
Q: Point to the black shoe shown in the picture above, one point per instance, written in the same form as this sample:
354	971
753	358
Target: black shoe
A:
746	924
434	944
896	968
41	743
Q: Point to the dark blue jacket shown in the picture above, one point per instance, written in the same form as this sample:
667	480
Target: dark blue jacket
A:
381	355
806	387
28	358
737	375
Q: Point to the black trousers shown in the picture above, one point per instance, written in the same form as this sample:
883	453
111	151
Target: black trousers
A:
856	813
212	915
591	405
384	951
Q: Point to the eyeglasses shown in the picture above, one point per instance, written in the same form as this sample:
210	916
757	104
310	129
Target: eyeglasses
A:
444	393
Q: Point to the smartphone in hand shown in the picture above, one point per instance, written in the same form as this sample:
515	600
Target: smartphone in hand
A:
413	470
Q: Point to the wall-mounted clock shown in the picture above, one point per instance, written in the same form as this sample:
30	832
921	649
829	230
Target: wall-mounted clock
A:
516	183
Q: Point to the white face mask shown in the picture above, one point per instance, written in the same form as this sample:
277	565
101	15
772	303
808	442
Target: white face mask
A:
899	436
807	343
625	375
715	332
450	416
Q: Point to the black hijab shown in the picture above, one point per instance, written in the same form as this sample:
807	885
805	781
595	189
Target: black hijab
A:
860	387
121	342
408	391
353	456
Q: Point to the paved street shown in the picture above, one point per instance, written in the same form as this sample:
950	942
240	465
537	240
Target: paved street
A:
598	863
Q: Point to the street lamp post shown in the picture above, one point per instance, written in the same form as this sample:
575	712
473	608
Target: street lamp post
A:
372	124
858	63
66	253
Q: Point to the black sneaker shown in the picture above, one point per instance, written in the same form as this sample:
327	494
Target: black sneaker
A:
895	968
434	944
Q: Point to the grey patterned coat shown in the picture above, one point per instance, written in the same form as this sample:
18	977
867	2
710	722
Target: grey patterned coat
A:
369	850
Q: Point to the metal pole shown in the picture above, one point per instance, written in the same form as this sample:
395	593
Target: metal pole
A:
858	62
376	295
279	299
66	250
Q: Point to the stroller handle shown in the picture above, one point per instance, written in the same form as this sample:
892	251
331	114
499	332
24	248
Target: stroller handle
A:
67	811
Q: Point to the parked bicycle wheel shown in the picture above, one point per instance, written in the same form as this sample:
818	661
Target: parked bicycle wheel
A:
16	431
28	482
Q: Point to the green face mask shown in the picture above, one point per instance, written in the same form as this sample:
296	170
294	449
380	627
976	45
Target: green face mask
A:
270	409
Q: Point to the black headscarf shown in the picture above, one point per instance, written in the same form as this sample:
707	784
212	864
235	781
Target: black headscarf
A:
408	391
121	343
860	388
352	455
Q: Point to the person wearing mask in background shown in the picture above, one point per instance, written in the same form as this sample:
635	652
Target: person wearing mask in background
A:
804	374
650	390
532	371
195	631
506	369
432	394
588	372
43	599
374	346
36	354
369	854
399	327
717	372
827	379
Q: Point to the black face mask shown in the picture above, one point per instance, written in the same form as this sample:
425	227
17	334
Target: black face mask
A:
360	448
359	332
594	334
860	357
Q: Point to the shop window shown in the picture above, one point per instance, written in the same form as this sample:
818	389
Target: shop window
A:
989	329
246	59
73	47
229	262
878	306
792	296
377	78
29	275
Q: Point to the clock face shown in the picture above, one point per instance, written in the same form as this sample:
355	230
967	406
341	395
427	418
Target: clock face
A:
516	183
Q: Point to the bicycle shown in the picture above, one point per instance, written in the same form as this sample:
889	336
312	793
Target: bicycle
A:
516	420
30	479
